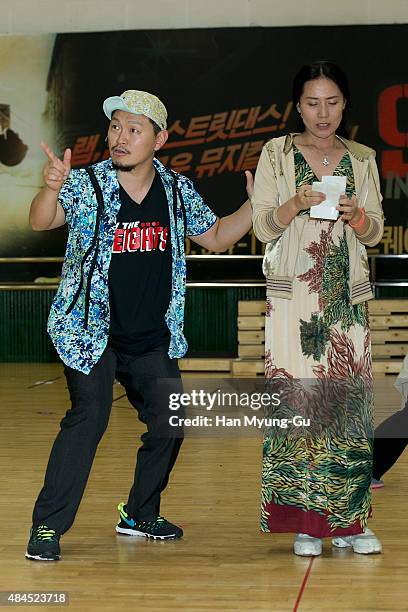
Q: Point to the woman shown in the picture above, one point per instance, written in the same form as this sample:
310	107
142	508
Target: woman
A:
317	484
391	437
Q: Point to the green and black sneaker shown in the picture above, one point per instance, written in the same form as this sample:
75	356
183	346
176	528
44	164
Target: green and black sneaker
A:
157	529
43	544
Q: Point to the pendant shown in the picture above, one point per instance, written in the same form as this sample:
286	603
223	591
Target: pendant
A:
325	161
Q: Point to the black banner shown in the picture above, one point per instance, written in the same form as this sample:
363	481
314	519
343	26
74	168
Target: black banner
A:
227	92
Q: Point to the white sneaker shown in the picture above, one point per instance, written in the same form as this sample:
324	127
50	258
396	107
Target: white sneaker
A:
365	543
306	546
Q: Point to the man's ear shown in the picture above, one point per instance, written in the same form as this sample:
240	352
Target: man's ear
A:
161	139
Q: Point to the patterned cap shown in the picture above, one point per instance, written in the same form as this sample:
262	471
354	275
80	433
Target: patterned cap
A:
138	103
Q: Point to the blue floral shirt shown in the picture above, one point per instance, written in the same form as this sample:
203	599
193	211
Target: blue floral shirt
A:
81	345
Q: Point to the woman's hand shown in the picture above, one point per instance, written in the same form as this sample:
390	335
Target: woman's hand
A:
306	197
348	207
249	184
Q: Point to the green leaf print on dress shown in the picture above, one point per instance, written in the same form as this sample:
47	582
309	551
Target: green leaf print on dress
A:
314	337
335	289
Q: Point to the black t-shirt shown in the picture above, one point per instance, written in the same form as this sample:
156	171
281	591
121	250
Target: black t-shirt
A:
140	273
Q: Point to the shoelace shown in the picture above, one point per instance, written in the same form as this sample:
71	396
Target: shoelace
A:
158	521
43	533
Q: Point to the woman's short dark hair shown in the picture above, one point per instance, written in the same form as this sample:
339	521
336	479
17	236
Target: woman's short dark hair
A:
314	71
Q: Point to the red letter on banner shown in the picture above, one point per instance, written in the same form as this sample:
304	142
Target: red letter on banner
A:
392	161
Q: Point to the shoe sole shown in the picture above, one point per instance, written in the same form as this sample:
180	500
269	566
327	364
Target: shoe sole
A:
142	534
309	553
39	558
340	543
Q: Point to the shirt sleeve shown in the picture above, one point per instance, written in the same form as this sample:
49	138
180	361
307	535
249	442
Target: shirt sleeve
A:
265	201
373	208
200	218
66	195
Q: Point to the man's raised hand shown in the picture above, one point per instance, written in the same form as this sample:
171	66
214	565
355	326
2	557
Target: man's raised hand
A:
56	171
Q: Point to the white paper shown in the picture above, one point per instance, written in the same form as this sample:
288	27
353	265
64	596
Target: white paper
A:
339	181
333	187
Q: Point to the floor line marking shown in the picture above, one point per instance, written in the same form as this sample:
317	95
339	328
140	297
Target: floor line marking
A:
39	383
303	585
118	398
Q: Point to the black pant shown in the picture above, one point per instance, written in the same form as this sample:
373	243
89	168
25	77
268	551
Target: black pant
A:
388	448
85	423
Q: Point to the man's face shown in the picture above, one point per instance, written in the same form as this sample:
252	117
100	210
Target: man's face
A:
131	140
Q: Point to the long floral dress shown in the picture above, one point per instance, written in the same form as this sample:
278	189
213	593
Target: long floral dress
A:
317	480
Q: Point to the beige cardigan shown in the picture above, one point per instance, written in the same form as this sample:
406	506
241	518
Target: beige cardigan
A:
275	184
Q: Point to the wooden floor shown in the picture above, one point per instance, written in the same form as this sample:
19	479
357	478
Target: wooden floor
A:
222	563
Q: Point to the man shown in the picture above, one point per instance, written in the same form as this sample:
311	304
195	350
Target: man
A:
119	310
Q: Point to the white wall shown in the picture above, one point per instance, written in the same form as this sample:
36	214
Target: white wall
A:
41	16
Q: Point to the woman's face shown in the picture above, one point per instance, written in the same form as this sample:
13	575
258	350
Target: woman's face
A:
321	106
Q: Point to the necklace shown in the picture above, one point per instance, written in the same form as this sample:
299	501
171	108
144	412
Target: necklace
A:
325	160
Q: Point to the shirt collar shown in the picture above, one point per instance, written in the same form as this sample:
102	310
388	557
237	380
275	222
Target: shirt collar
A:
162	170
107	167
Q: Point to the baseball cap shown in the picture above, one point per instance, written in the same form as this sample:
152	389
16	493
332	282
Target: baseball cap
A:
138	103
